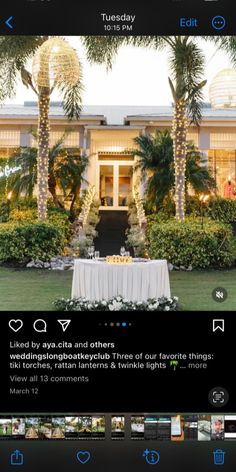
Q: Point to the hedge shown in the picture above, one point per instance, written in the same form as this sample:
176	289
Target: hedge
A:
57	217
188	244
222	209
217	208
23	242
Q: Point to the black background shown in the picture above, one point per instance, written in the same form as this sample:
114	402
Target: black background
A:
74	17
127	391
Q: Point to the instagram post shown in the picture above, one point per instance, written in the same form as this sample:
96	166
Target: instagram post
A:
117	235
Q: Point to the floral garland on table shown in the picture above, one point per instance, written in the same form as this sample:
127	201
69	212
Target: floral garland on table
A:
116	304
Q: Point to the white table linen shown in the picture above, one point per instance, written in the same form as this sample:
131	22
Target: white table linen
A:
138	281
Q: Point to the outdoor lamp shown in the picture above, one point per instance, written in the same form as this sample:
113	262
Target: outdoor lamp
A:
203	199
9	195
222	91
55	62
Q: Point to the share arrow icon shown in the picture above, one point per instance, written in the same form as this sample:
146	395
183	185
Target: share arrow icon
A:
64	324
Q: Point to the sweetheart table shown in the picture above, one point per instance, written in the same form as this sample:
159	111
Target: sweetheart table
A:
138	281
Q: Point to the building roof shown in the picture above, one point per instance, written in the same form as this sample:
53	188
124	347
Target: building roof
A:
114	114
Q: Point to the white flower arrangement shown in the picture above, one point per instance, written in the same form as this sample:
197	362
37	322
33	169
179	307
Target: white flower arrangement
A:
88	200
139	207
117	304
136	236
88	220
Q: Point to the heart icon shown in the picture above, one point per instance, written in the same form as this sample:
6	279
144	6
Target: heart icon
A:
15	325
83	457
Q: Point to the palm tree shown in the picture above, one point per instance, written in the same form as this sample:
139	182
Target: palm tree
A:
186	82
15	53
65	171
156	163
70	174
197	174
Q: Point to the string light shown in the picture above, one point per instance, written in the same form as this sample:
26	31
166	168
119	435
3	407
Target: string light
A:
88	200
179	129
43	153
139	207
55	62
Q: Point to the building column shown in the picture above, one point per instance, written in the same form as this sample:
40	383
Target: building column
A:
25	138
204	145
141	179
83	146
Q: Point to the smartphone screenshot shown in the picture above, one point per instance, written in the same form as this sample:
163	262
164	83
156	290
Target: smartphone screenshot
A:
117	235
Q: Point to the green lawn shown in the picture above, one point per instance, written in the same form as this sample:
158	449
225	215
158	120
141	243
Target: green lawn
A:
34	289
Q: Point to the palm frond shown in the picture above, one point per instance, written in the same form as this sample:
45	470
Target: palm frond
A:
187	66
198	175
8	79
23	185
72	97
70	173
24	180
172	88
225	43
104	49
156	163
15	51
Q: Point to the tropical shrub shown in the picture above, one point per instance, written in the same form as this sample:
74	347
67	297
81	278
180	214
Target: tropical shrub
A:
216	208
22	242
23	215
60	218
4	211
25	203
65	172
56	216
188	244
156	163
167	208
222	209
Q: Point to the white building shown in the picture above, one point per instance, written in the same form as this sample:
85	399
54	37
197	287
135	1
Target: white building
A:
106	133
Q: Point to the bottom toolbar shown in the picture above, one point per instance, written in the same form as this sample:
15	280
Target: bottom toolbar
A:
117	456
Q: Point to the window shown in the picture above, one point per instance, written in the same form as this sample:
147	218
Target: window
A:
223	140
9	138
71	139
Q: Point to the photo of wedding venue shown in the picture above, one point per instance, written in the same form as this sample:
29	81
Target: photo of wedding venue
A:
117	173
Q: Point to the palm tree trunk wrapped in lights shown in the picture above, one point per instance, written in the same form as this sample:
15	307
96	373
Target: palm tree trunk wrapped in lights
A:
43	151
55	66
155	153
179	129
187	68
